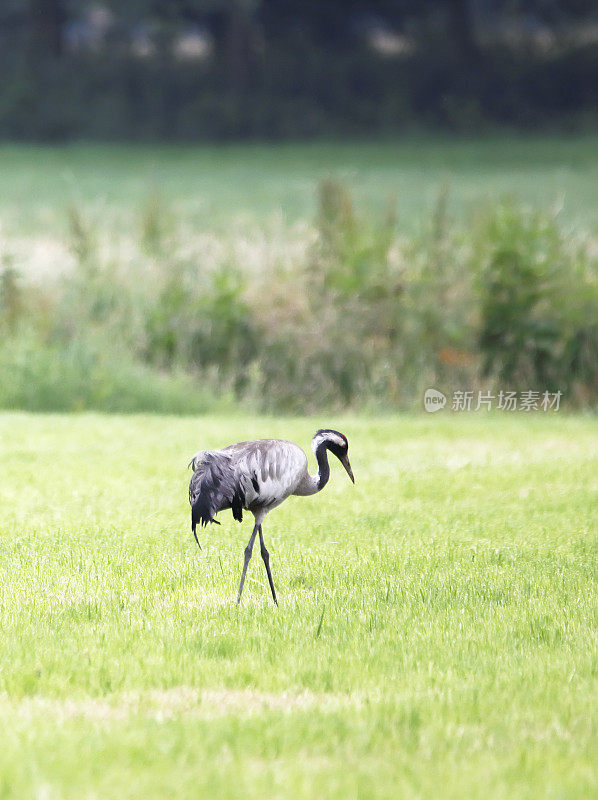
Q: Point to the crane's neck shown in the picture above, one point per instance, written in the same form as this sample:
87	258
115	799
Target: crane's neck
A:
314	483
323	466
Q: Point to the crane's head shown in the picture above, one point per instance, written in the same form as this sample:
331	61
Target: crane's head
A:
337	444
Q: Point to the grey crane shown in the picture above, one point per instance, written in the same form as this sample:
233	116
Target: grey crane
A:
258	476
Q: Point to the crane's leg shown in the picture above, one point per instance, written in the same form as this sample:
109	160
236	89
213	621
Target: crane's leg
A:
266	557
248	551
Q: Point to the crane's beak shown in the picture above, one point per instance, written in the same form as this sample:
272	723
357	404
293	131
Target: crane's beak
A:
345	462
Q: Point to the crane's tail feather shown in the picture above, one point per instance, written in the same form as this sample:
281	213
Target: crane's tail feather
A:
213	488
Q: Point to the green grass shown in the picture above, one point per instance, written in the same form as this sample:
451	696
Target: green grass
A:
207	185
436	634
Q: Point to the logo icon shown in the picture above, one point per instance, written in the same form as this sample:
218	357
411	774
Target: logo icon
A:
434	400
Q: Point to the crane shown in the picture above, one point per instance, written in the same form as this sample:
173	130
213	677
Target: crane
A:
258	476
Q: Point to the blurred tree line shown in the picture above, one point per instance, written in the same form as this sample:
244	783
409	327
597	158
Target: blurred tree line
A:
216	69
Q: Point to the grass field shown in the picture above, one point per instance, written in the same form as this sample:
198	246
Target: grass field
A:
436	634
208	186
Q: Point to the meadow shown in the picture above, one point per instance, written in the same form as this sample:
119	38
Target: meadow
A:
436	633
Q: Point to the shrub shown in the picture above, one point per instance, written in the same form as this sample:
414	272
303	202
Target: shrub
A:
78	375
363	318
11	299
538	296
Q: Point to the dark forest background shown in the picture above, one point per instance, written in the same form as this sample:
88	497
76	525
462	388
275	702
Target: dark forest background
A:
240	69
